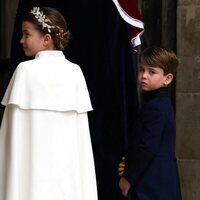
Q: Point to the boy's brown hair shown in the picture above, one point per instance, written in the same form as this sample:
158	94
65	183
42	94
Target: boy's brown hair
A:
161	57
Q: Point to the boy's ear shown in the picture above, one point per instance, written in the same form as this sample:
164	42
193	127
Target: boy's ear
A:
168	79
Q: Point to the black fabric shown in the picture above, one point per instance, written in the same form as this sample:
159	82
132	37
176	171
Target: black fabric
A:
101	46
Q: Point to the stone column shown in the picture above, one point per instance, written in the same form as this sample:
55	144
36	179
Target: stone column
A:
8	11
188	97
7	17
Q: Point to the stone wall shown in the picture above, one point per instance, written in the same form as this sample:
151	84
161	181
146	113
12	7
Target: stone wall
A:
188	97
7	16
8	10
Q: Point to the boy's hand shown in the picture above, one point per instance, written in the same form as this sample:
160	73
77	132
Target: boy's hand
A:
124	185
121	167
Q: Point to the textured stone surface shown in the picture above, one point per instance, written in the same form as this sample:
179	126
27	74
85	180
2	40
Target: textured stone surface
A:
188	2
188	125
188	97
188	30
188	74
190	176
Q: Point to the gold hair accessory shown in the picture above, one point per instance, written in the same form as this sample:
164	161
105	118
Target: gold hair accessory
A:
40	16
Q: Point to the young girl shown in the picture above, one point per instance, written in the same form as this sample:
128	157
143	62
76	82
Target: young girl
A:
45	147
150	171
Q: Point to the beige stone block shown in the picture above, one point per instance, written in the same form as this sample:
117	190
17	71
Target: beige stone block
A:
188	30
188	126
188	74
188	2
190	179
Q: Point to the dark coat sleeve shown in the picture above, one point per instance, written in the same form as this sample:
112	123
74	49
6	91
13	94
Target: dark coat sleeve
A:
147	143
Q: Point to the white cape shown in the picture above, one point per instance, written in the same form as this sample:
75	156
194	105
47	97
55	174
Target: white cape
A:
45	147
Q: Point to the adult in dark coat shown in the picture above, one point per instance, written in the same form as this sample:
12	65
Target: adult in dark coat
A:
101	45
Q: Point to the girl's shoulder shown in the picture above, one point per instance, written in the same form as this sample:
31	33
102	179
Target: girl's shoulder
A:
24	65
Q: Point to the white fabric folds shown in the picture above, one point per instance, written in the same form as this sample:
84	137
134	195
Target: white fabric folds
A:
45	146
48	82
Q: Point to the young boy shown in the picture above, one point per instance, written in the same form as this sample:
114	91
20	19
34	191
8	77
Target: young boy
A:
150	169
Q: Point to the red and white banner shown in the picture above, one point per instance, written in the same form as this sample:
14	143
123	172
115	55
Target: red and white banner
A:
129	11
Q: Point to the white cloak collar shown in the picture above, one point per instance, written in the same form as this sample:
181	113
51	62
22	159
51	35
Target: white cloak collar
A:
49	82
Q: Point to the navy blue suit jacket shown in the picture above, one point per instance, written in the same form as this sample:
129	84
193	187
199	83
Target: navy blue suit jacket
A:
151	162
